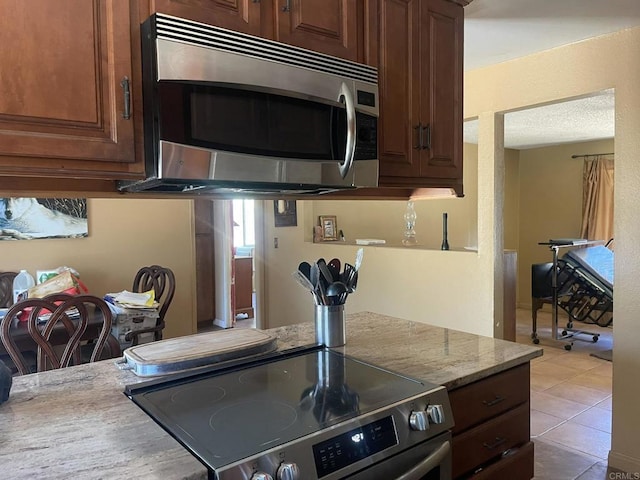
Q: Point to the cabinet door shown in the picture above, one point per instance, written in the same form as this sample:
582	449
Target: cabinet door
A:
327	26
239	15
420	76
441	103
244	285
399	87
62	107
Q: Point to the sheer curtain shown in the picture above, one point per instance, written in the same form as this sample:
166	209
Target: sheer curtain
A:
597	199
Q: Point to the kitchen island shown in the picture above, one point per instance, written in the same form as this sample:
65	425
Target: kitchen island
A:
77	423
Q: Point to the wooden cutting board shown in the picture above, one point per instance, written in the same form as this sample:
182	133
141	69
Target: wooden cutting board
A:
193	351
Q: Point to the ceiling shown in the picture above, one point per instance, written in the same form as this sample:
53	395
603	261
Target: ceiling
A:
501	30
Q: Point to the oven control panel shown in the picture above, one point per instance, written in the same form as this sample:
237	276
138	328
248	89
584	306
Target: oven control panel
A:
350	446
353	445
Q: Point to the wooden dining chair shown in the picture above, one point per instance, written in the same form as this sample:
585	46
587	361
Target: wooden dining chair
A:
6	288
163	282
59	322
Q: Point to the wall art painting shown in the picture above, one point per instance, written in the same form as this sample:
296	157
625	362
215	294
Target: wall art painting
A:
284	213
24	218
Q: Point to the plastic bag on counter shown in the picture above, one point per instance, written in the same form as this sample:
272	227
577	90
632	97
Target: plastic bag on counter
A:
44	275
64	282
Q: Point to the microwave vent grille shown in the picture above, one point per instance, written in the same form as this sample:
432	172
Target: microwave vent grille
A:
195	33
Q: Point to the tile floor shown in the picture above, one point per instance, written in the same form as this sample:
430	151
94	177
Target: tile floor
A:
570	401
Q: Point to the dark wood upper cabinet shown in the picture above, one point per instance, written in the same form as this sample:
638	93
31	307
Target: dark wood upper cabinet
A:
67	88
326	26
239	15
420	75
442	107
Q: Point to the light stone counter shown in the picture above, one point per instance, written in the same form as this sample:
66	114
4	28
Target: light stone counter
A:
76	422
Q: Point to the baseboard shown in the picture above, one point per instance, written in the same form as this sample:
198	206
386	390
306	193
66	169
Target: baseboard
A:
624	463
220	323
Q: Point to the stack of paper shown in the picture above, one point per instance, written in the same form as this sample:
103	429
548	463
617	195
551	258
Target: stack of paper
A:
126	299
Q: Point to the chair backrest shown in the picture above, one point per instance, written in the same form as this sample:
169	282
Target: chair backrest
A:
56	320
163	282
6	288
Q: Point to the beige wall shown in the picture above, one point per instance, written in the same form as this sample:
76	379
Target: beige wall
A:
124	235
385	219
511	199
610	61
418	283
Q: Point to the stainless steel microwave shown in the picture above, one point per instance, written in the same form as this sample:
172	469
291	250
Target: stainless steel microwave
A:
229	112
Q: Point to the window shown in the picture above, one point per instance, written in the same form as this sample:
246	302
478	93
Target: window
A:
243	223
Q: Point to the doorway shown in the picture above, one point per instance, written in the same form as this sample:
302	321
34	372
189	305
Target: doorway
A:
244	244
227	243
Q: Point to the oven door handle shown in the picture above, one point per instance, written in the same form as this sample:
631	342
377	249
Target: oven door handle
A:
350	150
428	464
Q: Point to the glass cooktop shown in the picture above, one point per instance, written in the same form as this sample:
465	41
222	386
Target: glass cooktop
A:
223	417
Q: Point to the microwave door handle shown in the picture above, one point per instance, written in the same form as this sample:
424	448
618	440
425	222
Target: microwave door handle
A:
345	167
428	464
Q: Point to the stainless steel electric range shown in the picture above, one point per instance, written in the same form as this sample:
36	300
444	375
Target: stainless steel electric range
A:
307	413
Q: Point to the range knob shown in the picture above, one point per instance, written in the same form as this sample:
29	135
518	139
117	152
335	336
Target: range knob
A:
261	476
419	420
288	471
435	413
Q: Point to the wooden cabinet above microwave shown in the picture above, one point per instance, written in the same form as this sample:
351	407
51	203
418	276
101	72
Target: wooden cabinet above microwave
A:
333	27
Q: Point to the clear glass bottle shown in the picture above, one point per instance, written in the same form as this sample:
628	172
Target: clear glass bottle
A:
410	217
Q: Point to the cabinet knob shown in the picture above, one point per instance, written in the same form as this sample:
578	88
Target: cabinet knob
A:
418	129
426	132
124	83
287	6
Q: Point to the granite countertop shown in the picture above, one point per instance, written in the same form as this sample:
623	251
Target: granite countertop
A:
77	423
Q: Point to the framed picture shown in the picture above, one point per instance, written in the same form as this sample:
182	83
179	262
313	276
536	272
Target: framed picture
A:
284	213
329	227
28	218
